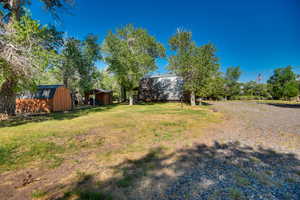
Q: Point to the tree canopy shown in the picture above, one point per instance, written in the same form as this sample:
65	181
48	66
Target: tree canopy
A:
283	83
197	65
130	54
25	52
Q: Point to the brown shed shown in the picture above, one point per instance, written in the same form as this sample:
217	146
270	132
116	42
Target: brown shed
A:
48	98
102	97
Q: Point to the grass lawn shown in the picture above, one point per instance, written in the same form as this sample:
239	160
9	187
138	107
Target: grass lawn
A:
109	132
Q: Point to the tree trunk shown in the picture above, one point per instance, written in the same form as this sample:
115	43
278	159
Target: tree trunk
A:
130	99
200	101
8	98
193	99
123	94
66	82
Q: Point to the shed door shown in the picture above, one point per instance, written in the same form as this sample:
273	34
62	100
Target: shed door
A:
62	99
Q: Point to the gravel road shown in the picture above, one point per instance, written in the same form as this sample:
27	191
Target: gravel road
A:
254	154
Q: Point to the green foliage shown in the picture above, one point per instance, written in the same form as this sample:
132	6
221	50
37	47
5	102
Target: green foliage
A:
290	89
244	97
31	51
77	69
233	74
216	87
38	194
90	55
283	83
232	87
256	89
130	54
108	81
66	71
18	8
197	65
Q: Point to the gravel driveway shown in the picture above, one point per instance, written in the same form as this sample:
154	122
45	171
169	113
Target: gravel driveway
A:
257	124
254	154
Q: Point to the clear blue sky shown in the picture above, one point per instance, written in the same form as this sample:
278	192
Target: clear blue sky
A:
257	35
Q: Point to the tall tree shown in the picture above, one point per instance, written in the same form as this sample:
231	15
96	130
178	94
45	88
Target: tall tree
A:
71	58
207	67
232	87
233	74
13	69
130	54
16	7
283	83
24	54
196	65
216	87
253	88
88	71
108	81
77	69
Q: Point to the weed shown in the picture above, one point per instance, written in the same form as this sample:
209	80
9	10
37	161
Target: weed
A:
126	181
38	194
236	194
263	178
86	195
241	181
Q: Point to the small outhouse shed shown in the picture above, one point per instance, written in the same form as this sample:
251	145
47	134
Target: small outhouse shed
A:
101	97
47	98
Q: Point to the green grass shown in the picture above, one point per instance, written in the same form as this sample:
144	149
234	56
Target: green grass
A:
117	129
46	139
36	194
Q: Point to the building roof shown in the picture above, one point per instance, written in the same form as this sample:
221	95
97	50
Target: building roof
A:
46	91
49	86
42	92
161	76
97	90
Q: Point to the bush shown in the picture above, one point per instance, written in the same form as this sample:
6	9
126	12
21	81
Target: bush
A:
243	98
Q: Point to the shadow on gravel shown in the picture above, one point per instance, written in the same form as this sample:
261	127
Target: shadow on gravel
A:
284	105
221	171
24	119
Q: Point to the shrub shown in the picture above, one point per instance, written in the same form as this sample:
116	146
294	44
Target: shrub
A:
247	98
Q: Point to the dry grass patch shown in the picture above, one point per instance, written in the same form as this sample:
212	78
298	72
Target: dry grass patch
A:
104	131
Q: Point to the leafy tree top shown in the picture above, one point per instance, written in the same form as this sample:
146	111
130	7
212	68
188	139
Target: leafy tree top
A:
131	53
233	74
197	65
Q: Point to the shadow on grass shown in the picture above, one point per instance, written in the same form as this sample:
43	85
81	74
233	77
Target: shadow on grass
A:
24	119
220	171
